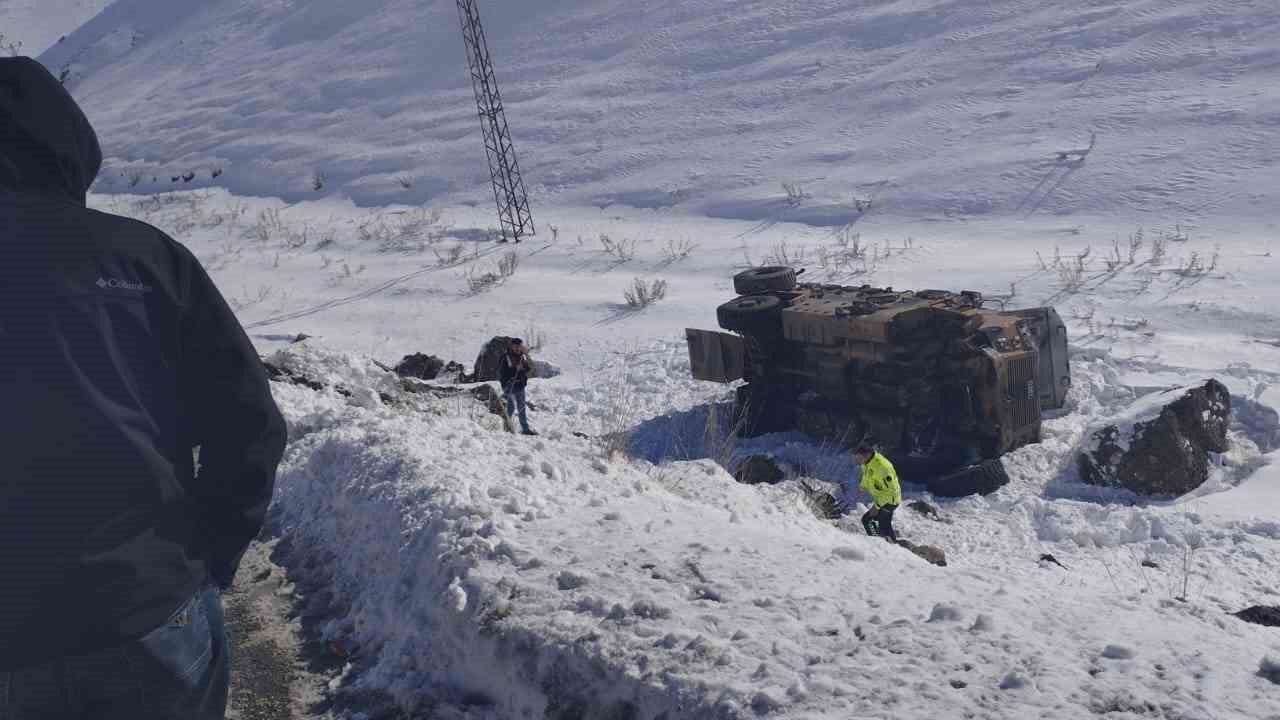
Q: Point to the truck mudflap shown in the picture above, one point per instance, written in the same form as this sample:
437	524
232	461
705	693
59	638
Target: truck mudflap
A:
716	356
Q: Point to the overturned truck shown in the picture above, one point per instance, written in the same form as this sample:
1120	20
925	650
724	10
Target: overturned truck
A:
941	383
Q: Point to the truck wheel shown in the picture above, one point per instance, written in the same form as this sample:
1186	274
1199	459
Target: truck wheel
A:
750	313
981	479
772	278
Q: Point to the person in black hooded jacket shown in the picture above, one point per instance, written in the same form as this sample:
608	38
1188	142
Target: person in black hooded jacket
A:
138	439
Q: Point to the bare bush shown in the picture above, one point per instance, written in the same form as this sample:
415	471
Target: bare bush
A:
677	250
784	254
623	250
795	193
508	264
862	205
1196	267
642	294
479	280
319	180
1136	242
1072	274
534	338
11	47
452	255
269	224
1159	250
405	181
1114	260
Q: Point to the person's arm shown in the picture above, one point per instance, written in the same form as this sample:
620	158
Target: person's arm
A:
227	412
867	480
506	373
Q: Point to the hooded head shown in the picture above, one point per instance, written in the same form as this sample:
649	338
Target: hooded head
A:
47	146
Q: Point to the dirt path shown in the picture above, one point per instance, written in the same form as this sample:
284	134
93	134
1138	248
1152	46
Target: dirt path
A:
278	672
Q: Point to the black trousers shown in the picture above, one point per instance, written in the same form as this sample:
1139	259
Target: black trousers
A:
879	521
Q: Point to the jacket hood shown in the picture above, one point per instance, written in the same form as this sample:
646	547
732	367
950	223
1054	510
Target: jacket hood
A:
47	145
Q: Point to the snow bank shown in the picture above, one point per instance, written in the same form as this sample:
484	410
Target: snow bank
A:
534	577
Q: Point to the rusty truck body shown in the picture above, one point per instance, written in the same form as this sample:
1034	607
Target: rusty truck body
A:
941	382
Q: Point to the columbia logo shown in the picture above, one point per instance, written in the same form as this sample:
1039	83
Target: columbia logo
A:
117	284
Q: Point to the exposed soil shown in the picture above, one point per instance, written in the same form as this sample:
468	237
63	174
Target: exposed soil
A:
279	670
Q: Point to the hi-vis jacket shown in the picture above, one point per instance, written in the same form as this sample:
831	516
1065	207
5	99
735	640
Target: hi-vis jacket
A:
881	480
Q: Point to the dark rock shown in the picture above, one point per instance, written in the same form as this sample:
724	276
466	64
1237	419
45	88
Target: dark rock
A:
824	505
1150	564
930	553
490	357
300	338
417	365
1267	615
925	509
284	375
1166	454
486	394
1048	558
758	469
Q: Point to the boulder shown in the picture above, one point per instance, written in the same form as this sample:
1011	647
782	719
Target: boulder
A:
931	554
758	469
925	509
1160	445
426	367
1267	615
490	357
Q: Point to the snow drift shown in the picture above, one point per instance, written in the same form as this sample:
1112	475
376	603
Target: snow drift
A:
508	577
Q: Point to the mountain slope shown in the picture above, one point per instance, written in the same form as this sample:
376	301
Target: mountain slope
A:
933	108
37	24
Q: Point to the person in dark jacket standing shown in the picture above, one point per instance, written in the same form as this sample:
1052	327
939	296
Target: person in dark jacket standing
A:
513	375
119	364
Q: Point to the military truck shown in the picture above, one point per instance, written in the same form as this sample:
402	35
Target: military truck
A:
940	382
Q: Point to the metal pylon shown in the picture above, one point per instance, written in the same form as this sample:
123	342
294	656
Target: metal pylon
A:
508	187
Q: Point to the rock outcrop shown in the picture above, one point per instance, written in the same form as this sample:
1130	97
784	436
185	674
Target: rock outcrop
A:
427	367
1161	445
758	469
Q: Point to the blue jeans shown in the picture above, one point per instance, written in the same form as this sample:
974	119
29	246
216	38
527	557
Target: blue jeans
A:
514	397
178	671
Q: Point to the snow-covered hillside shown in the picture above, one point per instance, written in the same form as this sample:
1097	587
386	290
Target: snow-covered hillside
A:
37	24
933	108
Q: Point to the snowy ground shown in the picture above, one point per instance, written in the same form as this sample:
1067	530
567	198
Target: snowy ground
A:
336	187
500	575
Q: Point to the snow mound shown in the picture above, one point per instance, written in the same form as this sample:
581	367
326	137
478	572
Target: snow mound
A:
523	577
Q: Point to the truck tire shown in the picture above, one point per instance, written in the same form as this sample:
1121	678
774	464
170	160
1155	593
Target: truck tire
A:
750	314
771	278
982	478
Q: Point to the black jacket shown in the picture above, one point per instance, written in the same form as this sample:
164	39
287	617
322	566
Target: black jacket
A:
513	371
117	358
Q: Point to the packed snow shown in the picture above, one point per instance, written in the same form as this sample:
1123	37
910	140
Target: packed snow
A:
509	577
1113	159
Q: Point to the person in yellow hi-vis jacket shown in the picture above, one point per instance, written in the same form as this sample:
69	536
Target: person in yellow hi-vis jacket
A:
881	481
